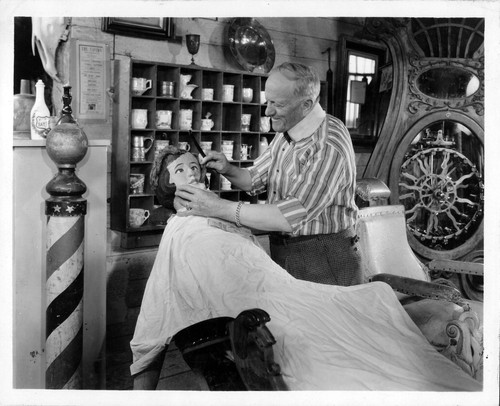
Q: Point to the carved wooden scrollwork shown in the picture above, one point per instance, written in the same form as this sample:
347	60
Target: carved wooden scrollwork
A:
418	101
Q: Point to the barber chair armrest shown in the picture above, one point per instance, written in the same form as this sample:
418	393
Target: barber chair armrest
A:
372	190
422	289
448	265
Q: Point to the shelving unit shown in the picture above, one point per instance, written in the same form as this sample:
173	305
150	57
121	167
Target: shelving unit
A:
227	126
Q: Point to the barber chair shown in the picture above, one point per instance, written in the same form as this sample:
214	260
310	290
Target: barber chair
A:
450	322
236	354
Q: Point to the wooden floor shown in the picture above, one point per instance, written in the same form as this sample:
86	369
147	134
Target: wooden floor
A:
175	374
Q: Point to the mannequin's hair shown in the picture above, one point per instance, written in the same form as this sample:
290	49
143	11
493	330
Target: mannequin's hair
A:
159	177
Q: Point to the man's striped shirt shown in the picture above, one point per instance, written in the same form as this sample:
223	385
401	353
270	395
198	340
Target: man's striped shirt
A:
312	180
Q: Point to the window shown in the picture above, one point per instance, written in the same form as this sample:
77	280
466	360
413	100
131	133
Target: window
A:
358	100
361	71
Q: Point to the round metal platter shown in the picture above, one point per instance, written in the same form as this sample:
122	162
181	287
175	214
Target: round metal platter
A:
251	45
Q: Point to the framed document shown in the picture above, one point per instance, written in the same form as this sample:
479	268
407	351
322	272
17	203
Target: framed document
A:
90	80
147	27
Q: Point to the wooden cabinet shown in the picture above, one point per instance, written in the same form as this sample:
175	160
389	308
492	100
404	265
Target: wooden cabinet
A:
226	116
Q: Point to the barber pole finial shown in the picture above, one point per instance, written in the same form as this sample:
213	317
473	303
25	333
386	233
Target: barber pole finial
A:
65	209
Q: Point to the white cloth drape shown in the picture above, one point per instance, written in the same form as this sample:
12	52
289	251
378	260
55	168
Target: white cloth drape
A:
328	337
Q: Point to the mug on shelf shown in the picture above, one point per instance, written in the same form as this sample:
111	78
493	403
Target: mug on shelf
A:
246	151
247	94
160	145
224	183
139	118
184	145
140	85
137	217
163	119
137	183
207	94
206	146
263	97
140	147
167	88
245	122
185	119
206	124
227	93
227	148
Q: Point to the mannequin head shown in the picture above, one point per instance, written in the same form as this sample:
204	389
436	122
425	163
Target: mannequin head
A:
173	167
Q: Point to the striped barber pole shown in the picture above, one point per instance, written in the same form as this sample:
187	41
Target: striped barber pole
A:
64	292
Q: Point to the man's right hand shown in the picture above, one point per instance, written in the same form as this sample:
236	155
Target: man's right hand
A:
217	161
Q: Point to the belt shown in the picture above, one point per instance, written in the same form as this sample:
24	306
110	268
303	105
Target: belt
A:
283	239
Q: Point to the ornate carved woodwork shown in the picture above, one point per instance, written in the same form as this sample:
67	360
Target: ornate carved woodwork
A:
430	151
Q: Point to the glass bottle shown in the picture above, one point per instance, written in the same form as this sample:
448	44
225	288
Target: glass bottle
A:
40	114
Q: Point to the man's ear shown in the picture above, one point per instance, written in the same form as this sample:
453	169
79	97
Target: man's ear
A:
308	105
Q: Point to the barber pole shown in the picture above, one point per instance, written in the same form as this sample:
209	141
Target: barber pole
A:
66	145
64	293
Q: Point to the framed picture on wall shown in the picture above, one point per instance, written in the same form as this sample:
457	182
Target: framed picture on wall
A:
145	27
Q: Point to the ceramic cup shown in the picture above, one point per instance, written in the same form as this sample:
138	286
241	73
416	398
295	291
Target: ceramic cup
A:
137	183
244	152
224	183
139	118
185	119
160	145
206	146
227	93
206	124
137	217
227	148
247	94
163	119
263	97
207	94
265	124
245	122
184	145
140	85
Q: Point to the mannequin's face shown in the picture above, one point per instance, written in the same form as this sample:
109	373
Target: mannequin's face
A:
185	170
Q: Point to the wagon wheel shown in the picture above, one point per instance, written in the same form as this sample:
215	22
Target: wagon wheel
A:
443	195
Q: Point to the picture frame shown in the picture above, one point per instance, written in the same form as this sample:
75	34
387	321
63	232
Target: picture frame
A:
158	28
90	80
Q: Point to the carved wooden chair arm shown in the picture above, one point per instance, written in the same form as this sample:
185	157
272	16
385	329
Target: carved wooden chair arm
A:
421	289
253	353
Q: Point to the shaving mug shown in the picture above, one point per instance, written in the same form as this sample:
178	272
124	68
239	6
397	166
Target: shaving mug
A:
160	145
140	85
207	94
247	94
137	183
227	148
163	119
184	145
139	118
185	119
245	151
224	183
206	124
227	93
262	96
137	217
206	146
245	122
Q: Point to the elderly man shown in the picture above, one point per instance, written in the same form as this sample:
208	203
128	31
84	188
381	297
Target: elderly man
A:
309	173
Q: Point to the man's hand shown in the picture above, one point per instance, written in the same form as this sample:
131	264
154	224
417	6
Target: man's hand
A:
217	161
199	202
